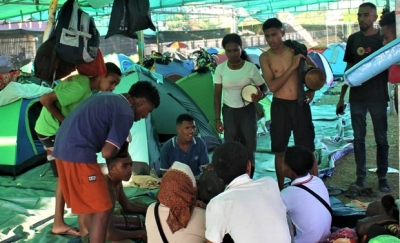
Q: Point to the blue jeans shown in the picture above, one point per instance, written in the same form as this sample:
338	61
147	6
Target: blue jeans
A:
378	112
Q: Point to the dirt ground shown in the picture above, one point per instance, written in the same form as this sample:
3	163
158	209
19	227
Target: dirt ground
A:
344	173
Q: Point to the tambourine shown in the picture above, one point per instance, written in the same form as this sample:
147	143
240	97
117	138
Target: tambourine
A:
247	91
314	78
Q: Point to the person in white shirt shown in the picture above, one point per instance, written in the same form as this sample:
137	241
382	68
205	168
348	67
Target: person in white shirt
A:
239	116
249	210
311	219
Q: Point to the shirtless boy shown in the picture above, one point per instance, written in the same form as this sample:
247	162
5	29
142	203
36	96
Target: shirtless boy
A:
279	67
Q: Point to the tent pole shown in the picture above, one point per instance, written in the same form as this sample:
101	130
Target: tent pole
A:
50	20
140	45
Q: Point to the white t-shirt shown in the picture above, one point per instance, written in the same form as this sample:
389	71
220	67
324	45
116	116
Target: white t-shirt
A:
310	217
193	233
233	82
250	211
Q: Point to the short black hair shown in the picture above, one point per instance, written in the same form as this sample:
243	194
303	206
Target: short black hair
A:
368	4
299	159
184	117
230	161
272	23
389	20
232	38
111	161
144	89
112	68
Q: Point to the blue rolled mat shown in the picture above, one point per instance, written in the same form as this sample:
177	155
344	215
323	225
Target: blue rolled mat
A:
374	64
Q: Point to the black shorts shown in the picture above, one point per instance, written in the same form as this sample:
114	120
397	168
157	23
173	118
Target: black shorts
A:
288	116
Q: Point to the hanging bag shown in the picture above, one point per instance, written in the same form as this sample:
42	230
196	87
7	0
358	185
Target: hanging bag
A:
77	38
129	16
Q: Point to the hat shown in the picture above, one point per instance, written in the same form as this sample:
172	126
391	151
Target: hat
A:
185	169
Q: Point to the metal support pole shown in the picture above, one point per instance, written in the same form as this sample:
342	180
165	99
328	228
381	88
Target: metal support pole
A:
140	46
50	20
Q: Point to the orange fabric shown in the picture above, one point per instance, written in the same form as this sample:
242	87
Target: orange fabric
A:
97	67
84	187
179	195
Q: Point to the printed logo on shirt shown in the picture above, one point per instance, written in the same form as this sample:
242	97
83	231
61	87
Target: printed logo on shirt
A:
92	178
361	50
196	157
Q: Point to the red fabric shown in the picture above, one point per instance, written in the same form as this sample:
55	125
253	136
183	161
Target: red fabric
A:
345	233
394	74
97	67
6	78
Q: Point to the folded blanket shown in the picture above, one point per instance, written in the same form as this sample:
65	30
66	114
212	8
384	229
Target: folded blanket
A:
15	91
145	181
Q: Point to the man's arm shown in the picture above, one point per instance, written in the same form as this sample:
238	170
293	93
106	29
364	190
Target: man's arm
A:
210	241
277	83
345	86
48	101
204	160
109	150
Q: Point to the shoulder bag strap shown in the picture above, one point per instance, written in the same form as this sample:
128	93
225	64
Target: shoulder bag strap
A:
159	223
317	197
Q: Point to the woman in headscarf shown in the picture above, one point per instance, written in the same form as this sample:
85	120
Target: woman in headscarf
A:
180	217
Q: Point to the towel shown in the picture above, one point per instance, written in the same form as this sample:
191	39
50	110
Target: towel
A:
301	69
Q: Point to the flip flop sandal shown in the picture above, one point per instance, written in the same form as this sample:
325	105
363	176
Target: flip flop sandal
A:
357	205
353	191
69	231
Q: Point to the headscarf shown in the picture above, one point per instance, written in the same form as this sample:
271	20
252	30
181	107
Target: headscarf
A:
178	192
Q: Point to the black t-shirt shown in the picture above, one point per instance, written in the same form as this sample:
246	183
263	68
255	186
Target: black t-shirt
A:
359	47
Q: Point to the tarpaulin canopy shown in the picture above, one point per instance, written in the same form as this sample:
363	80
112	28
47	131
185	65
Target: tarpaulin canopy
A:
258	9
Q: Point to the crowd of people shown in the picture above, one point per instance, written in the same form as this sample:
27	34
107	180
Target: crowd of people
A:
75	125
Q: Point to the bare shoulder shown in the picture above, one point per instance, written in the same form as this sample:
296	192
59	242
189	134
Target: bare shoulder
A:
266	53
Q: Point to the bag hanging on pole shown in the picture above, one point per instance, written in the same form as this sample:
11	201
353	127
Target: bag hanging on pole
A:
129	16
77	38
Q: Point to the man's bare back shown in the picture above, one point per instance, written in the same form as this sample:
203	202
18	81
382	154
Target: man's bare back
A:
276	65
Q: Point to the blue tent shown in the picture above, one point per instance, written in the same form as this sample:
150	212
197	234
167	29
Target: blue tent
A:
20	147
175	70
322	64
122	61
334	53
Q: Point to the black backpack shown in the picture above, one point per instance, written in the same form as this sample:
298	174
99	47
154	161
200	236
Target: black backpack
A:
77	38
47	66
129	16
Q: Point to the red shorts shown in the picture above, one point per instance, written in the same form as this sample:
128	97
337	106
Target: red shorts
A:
83	186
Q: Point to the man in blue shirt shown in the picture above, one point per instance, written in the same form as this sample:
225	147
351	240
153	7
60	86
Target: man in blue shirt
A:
100	123
185	148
